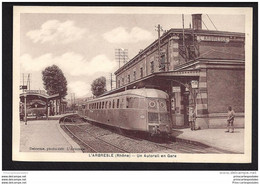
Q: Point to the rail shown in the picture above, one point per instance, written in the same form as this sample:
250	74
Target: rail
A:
93	149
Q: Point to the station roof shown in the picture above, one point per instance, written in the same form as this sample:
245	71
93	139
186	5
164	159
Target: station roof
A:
34	94
174	74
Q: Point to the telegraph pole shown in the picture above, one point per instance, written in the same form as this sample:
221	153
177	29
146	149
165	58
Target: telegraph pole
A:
159	39
23	82
111	80
183	38
71	101
121	55
159	29
74	100
28	81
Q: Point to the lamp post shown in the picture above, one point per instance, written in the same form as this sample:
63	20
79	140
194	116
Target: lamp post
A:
25	110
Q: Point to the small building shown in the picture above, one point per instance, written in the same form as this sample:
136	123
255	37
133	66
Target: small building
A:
39	102
203	69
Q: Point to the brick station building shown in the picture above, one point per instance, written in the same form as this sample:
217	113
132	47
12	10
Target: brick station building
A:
203	69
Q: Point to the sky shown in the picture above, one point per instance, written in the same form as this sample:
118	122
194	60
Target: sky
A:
83	45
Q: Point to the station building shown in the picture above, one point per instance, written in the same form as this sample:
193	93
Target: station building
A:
202	69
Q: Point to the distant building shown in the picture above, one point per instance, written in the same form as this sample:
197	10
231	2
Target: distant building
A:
39	102
200	68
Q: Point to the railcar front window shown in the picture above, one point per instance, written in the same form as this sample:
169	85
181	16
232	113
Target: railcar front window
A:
132	102
162	105
152	104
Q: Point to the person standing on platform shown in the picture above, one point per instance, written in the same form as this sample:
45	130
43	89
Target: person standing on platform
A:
192	118
230	120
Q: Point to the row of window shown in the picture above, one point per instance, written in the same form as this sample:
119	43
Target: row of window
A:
129	77
122	81
123	102
105	104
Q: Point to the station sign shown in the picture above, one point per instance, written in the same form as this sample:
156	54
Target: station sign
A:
176	89
194	84
213	38
23	87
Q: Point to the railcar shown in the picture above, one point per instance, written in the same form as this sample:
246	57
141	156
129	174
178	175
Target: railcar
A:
143	110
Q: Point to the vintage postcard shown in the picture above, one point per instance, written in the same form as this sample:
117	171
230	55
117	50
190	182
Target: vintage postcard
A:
132	84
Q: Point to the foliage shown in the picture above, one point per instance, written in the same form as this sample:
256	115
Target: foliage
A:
54	81
98	86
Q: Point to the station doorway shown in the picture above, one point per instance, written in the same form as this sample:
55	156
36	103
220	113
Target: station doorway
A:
182	100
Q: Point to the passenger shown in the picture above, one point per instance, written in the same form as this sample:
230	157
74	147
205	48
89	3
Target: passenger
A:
230	120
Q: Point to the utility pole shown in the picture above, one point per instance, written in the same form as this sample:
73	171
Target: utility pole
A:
121	55
159	29
23	82
71	101
111	80
74	100
28	81
183	38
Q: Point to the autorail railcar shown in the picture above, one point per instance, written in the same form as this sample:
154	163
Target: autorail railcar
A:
136	109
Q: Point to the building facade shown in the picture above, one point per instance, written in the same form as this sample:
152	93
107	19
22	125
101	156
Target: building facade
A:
202	69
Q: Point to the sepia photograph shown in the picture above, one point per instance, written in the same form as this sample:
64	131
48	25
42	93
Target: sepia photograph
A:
132	84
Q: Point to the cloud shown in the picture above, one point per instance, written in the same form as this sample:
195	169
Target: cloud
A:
121	35
56	32
80	88
71	63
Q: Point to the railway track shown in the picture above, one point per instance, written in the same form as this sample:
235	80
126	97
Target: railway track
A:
90	141
81	141
129	143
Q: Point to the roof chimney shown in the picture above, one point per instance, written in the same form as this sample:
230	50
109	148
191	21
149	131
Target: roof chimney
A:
196	21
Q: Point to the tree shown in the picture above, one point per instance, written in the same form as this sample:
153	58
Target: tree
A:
98	86
54	81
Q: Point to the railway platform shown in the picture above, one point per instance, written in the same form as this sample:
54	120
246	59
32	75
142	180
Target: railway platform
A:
216	138
45	136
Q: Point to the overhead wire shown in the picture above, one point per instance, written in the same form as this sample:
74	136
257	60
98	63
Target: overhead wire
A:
204	24
211	21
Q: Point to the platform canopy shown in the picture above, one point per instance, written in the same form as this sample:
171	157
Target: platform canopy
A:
37	94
